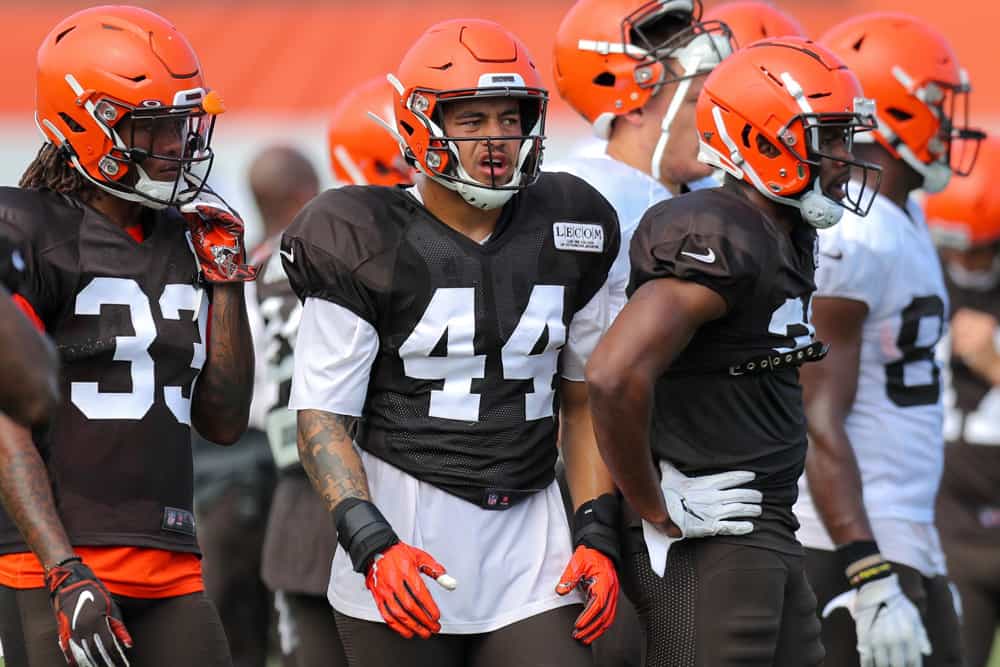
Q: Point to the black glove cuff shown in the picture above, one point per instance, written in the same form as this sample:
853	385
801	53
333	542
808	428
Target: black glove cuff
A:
862	562
362	531
596	526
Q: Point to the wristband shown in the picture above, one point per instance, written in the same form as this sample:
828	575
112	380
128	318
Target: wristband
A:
362	531
596	526
863	563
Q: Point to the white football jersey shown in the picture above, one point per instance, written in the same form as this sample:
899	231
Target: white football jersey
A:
629	191
887	261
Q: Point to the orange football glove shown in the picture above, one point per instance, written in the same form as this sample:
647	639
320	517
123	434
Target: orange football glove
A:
216	234
595	574
400	595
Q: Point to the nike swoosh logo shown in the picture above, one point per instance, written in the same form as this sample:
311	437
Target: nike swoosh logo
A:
85	597
838	256
690	511
290	256
707	258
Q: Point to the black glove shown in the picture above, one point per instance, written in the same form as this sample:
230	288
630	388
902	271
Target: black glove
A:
91	630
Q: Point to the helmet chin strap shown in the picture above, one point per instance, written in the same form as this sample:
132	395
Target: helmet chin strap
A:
700	55
979	281
936	175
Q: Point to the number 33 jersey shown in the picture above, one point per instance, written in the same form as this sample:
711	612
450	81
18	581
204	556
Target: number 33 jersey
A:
129	321
887	261
462	393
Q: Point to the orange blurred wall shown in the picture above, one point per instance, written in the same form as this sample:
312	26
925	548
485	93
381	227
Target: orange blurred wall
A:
298	56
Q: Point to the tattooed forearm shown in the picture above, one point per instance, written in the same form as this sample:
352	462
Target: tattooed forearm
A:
329	458
26	493
220	407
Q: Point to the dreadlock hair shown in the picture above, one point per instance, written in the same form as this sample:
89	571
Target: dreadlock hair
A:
51	169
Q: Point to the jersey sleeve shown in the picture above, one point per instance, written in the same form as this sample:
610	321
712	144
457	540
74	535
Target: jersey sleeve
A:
335	351
681	239
329	252
22	217
585	331
850	262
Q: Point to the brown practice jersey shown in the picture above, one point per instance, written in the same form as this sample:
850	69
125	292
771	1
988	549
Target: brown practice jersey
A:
463	391
128	320
706	420
972	428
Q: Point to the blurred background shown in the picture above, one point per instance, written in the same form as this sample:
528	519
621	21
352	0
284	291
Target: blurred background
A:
282	65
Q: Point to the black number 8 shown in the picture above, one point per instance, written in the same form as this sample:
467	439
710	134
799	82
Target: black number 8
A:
899	392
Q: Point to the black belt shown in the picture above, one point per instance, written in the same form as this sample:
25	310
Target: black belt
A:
767	363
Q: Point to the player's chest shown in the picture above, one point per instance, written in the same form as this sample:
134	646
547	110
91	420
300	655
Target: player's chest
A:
538	276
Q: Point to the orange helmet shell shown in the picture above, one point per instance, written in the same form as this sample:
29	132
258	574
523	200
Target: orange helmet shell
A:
361	153
967	213
910	70
462	59
749	91
750	20
103	63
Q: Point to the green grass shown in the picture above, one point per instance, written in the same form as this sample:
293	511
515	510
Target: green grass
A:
994	659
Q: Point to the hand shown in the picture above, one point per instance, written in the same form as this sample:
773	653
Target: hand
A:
972	340
702	506
595	574
216	236
91	630
889	630
400	595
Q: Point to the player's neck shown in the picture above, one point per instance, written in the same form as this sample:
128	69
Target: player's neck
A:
119	211
898	178
787	217
449	207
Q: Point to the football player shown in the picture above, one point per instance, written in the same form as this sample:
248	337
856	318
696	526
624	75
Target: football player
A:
29	391
129	263
300	539
965	222
750	20
443	328
639	95
874	404
701	362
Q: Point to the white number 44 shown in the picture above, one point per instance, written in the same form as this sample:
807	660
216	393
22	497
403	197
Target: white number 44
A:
452	312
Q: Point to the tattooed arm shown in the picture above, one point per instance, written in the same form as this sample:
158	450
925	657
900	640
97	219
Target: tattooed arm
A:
27	355
220	407
327	453
26	493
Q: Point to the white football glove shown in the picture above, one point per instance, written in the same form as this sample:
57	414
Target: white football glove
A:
890	632
701	507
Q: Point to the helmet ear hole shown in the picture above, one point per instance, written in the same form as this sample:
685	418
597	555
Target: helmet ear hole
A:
605	79
766	148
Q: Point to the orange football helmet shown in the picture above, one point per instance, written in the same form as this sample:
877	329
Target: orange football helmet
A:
104	64
783	92
911	72
465	59
612	56
966	214
750	20
360	152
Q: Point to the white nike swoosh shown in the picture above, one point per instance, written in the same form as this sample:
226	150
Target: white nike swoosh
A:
290	256
80	601
707	258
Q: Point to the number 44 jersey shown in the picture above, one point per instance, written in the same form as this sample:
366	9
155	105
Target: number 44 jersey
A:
888	262
462	392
